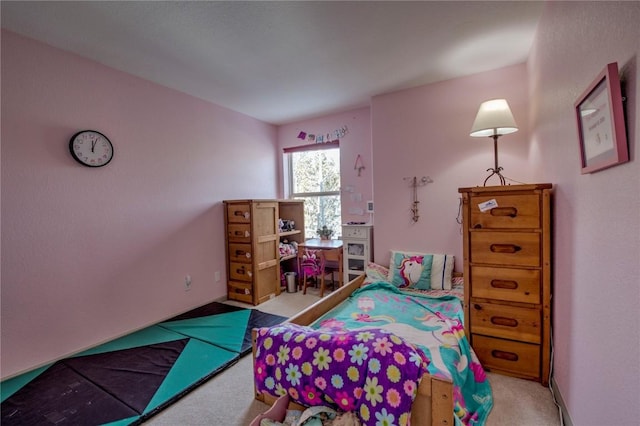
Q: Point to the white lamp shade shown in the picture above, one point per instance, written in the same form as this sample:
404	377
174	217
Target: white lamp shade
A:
494	118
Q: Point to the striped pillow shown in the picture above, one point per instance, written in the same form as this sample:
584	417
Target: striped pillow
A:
441	271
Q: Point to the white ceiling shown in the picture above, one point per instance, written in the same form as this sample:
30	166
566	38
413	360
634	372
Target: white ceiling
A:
283	61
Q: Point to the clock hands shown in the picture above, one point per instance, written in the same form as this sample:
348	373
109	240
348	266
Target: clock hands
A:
93	144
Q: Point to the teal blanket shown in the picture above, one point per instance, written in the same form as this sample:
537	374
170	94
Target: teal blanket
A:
433	324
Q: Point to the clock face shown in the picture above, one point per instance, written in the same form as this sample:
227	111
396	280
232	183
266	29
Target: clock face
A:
91	148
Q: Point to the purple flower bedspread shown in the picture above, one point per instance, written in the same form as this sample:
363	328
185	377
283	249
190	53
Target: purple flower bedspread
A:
372	372
369	354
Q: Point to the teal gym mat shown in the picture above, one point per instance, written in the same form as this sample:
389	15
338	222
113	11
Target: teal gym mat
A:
128	380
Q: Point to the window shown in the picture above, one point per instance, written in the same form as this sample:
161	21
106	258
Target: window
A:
314	176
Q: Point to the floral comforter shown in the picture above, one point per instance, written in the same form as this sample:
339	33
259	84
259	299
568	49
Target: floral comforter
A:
368	354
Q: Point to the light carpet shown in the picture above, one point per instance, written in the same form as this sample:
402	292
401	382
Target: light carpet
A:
227	399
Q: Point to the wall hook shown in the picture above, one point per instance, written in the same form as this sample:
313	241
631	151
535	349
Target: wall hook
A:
415	183
359	166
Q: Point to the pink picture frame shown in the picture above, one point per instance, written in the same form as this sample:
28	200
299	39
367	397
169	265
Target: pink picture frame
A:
601	124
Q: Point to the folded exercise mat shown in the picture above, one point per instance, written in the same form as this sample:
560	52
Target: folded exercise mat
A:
129	379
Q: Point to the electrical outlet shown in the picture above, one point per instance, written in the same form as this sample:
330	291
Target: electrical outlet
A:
216	276
187	283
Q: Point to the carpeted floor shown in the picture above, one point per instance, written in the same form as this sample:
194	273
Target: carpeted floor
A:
228	400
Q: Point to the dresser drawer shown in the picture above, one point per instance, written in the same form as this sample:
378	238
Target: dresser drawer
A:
508	284
240	271
239	213
239	232
514	357
507	322
506	248
511	212
240	291
355	232
239	252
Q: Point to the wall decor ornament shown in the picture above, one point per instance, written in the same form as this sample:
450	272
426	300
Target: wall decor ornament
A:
601	125
332	136
415	183
359	165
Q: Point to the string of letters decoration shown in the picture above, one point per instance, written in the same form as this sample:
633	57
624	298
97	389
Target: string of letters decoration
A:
332	136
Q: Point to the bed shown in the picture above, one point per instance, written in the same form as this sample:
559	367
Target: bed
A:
450	384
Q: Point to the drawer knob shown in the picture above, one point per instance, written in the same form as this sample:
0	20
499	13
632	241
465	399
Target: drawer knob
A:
240	253
507	322
505	248
507	356
504	284
240	271
504	211
477	307
241	213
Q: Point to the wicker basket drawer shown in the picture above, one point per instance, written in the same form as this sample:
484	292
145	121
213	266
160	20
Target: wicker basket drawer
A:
506	248
239	213
239	233
239	252
522	359
508	322
508	284
240	291
511	211
240	271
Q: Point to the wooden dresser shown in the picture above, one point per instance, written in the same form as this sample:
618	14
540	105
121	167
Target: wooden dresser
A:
507	270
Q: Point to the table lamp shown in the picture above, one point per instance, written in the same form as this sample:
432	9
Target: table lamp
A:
494	119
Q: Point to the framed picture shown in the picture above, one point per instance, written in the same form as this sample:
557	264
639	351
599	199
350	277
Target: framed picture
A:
601	126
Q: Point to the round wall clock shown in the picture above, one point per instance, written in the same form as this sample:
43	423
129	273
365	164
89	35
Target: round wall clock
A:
91	148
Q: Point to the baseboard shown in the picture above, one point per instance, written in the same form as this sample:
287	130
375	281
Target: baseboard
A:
566	420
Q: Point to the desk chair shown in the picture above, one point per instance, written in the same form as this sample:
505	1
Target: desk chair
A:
332	264
317	264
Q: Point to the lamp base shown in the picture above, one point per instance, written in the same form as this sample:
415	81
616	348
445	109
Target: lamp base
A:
496	172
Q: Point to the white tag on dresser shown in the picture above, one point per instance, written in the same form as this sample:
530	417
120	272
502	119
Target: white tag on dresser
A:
488	205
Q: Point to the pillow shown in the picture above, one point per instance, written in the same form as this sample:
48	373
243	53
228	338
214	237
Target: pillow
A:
442	271
375	272
423	271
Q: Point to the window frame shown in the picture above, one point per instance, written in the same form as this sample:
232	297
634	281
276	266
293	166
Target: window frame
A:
304	195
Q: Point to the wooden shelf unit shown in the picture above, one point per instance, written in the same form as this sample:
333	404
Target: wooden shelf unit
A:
252	240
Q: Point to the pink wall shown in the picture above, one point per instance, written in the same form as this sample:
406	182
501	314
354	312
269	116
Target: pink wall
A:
425	132
89	254
356	190
168	177
597	219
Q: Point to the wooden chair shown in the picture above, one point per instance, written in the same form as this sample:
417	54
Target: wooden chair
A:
332	264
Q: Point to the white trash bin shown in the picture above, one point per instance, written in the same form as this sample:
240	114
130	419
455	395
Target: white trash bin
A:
290	277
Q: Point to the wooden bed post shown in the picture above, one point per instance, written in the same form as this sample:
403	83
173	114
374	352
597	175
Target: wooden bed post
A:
434	402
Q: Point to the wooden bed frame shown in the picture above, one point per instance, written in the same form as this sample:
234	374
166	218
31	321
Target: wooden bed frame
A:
434	401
